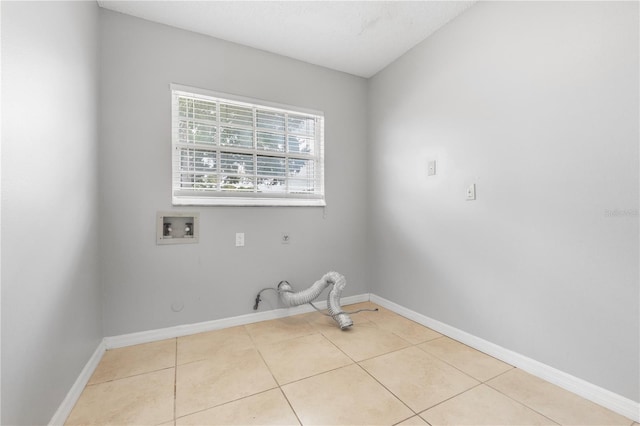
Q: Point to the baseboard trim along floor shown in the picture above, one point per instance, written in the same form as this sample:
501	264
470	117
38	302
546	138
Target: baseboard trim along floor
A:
70	400
187	329
594	393
587	390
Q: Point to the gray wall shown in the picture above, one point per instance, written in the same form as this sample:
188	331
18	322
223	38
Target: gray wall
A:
537	103
51	311
214	279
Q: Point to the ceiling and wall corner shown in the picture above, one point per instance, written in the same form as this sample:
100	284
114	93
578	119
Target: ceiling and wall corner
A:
356	37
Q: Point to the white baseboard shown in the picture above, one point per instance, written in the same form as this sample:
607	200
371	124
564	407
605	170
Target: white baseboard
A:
187	329
70	400
594	393
601	396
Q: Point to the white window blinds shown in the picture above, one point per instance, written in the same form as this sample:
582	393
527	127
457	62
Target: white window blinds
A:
236	151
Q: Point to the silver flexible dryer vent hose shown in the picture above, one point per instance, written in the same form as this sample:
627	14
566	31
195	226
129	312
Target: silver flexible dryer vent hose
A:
291	298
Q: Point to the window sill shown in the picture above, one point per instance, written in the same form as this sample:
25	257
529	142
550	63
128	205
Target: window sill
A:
249	202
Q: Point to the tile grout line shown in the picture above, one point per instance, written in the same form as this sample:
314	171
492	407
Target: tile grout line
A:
384	353
485	384
416	323
316	375
274	377
480	382
365	359
460	370
354	362
338	348
126	377
290	406
255	347
225	403
387	389
515	400
532	408
473	349
449	398
369	374
415	415
279	386
320	373
442	336
404	420
499	375
317	330
416	346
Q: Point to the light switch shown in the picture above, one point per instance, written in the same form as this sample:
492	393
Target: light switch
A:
471	192
239	239
431	168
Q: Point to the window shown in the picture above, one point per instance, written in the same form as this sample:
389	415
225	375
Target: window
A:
229	150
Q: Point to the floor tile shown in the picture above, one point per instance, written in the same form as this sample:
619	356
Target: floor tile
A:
419	379
347	396
211	382
483	406
267	408
475	363
365	340
142	399
554	402
413	421
124	362
405	328
266	332
227	377
302	357
208	345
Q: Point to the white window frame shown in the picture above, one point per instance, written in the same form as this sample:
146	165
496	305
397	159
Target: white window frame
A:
220	197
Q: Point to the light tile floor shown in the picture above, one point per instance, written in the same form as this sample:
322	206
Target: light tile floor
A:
385	370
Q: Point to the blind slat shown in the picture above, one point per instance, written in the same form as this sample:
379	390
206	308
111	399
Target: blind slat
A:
223	146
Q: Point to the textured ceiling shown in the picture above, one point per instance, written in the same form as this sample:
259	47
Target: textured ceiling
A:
357	37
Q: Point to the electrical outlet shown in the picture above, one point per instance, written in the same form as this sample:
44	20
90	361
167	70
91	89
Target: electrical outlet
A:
286	238
239	239
471	192
431	168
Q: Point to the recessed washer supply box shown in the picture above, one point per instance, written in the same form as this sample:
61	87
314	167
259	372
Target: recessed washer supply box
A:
177	227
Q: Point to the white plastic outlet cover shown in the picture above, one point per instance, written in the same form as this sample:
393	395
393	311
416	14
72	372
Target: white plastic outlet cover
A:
431	168
471	192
